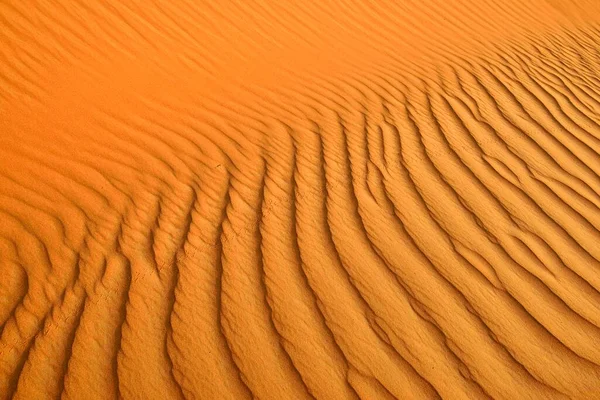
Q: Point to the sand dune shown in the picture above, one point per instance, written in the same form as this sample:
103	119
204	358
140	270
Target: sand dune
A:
285	200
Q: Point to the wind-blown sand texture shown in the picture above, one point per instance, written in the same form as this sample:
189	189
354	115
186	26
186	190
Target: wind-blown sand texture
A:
271	199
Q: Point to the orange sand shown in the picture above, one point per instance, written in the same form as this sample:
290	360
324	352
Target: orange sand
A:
269	199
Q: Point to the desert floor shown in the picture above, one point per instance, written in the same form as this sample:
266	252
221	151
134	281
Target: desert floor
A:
279	199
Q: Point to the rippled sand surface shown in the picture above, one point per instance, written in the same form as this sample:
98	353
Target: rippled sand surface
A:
336	199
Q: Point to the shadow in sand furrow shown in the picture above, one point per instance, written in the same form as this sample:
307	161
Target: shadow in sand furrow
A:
452	268
246	315
332	278
293	302
357	255
531	143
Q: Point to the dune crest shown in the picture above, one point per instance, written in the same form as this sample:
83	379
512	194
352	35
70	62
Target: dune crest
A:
282	200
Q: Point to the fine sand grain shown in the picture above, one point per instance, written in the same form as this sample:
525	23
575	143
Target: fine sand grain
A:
270	199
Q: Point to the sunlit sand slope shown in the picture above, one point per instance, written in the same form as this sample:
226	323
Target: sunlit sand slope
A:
288	200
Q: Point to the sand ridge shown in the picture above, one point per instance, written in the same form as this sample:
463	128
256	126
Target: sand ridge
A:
277	200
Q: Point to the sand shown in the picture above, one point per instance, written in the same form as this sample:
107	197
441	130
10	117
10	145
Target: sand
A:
269	199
